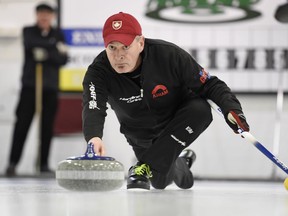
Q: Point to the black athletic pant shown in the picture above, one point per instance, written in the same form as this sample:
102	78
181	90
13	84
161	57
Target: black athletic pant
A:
191	119
24	115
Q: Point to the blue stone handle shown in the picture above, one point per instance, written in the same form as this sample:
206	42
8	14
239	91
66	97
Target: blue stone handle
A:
90	155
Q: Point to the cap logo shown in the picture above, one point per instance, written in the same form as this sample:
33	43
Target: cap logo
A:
116	25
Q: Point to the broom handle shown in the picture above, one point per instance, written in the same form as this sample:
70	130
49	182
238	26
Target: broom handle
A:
38	108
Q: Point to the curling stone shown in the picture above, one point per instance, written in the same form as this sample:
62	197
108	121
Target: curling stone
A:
90	172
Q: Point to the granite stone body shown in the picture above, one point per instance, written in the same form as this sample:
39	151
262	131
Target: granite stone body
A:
90	175
90	172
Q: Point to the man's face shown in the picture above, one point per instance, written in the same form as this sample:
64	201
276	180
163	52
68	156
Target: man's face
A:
125	59
44	19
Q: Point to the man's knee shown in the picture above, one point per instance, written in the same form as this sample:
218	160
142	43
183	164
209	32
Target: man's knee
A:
158	185
160	181
198	110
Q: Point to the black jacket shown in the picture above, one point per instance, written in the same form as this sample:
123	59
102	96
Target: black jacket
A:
32	38
169	76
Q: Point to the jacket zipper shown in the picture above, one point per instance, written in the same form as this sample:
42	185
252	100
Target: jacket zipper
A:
141	85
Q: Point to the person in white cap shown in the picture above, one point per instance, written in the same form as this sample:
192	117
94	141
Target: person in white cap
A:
158	92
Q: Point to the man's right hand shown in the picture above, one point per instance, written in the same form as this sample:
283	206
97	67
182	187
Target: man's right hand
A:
39	54
98	146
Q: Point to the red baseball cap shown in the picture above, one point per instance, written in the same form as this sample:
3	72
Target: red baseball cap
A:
121	27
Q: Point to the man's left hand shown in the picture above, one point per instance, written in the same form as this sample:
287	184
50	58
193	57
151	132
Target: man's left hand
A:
236	119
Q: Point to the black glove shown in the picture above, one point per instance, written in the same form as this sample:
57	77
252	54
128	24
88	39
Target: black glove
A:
236	119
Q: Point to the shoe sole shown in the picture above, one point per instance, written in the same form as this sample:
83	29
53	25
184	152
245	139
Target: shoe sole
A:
183	176
138	186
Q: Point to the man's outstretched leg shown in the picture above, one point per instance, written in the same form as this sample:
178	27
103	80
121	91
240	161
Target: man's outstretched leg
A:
162	156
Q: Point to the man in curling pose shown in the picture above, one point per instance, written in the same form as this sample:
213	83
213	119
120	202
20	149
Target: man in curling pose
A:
158	92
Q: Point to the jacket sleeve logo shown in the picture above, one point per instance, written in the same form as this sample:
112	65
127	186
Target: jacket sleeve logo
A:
93	101
204	76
